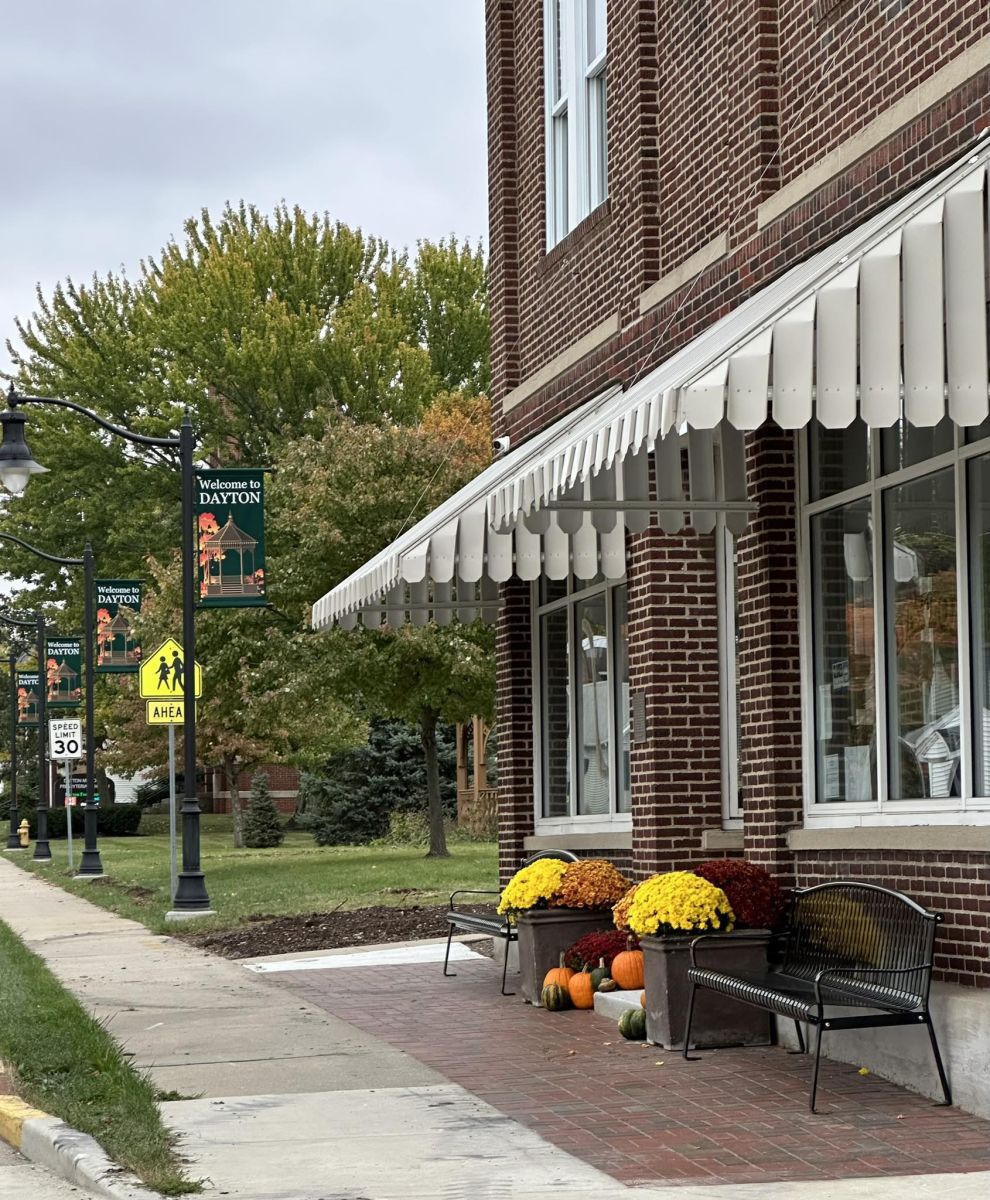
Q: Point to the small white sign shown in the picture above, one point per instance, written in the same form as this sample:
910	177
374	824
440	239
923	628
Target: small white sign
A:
65	740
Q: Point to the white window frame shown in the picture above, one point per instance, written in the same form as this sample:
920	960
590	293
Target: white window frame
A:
967	809
575	145
573	823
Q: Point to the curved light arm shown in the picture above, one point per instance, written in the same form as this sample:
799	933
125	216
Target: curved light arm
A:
8	620
55	558
14	398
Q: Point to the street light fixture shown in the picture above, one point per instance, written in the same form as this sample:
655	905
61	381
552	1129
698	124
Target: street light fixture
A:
91	864
16	467
42	851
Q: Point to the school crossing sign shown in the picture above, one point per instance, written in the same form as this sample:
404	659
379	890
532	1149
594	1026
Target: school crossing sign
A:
161	681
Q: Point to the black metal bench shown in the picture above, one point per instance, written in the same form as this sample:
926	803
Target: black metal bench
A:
847	945
491	922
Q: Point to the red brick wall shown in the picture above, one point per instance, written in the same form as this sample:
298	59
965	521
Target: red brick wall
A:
514	720
713	105
280	779
673	661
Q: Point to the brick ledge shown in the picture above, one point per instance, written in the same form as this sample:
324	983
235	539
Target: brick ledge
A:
579	841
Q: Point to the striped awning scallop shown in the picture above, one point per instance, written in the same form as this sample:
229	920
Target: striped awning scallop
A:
890	320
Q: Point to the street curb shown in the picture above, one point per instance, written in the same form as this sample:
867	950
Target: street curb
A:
66	1152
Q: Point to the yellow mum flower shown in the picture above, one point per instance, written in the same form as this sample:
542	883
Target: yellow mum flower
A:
677	902
533	886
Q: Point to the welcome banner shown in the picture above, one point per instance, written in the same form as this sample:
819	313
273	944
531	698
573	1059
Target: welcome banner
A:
63	672
230	525
118	601
28	694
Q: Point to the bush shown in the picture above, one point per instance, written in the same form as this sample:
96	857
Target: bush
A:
354	797
262	825
113	820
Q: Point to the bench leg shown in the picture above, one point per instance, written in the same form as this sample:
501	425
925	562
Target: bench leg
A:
946	1092
446	957
814	1074
687	1025
802	1048
505	967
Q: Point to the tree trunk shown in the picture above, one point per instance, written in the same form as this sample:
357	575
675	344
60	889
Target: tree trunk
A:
232	775
428	733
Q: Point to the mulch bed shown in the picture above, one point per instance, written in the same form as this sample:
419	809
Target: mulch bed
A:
265	935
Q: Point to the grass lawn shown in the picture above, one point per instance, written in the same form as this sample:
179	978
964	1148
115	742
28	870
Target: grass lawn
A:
297	877
65	1063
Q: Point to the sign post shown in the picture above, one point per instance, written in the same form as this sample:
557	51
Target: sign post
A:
65	746
161	682
171	810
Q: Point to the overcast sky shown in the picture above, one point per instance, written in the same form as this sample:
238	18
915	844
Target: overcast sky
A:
123	117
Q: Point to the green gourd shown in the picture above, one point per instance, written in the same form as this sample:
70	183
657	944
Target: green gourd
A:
554	997
599	975
632	1024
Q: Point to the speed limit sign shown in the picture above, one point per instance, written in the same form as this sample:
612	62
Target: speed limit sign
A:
65	739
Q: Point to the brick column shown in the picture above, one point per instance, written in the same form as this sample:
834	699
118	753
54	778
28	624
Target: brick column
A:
673	662
769	669
514	722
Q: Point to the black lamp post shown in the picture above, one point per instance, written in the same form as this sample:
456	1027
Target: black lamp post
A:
13	838
91	864
42	851
16	467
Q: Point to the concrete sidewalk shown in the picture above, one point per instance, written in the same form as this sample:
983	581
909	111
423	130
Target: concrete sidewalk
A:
295	1104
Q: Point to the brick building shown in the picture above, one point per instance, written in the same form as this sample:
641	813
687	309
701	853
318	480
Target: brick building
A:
737	544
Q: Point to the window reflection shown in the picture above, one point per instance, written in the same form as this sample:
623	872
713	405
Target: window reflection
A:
844	654
555	713
920	554
593	707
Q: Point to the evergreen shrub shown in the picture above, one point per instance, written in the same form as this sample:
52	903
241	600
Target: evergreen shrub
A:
262	823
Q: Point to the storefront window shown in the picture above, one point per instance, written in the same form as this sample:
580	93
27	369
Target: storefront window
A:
556	713
923	637
838	459
620	621
978	473
844	654
899	629
583	731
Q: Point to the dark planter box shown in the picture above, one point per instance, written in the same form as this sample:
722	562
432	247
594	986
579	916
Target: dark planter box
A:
544	934
718	1020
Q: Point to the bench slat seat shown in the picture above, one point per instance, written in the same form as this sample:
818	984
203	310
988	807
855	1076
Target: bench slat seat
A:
847	945
795	998
490	921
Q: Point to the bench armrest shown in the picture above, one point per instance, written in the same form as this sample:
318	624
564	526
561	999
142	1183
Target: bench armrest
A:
472	892
851	972
694	941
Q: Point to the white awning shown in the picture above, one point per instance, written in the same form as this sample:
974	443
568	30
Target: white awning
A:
891	318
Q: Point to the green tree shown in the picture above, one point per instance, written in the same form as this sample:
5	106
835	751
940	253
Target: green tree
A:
262	826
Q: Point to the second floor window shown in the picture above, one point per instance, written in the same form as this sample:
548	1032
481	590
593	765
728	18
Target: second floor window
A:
576	41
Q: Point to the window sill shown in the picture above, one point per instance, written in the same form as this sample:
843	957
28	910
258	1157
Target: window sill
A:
581	233
965	838
721	839
614	840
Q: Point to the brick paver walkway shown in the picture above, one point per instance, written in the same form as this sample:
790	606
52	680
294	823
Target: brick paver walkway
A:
737	1116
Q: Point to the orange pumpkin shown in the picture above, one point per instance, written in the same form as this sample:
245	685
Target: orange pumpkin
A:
627	968
560	975
582	990
642	999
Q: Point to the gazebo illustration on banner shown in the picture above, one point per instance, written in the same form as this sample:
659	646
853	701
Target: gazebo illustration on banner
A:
27	705
63	682
227	559
116	644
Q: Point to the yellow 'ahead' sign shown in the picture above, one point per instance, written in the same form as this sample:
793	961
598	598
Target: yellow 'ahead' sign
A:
162	674
165	712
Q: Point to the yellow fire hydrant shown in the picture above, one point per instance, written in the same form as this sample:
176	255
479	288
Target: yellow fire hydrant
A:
23	834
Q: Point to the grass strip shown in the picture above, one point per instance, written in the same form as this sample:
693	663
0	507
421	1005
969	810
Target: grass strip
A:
294	878
64	1062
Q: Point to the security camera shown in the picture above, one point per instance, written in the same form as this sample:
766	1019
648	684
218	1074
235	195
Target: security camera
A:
500	446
